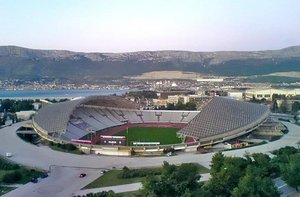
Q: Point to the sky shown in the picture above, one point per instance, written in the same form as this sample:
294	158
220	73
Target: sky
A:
143	25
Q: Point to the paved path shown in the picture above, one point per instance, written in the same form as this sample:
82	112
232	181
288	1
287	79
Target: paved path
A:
283	187
117	189
62	182
43	157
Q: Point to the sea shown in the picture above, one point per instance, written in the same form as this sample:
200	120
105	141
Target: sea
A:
56	94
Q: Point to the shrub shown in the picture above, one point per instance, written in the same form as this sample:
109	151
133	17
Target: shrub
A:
12	177
70	147
133	173
5	165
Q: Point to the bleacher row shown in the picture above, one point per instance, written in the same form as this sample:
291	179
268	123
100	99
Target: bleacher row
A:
85	120
223	115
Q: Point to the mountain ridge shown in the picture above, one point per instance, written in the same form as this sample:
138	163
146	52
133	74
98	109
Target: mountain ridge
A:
24	63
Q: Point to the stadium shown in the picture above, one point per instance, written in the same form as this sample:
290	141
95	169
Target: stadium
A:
113	125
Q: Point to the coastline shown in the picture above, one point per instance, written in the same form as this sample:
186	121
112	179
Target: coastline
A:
54	94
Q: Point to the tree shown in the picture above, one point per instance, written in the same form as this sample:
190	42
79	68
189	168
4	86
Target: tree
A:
291	171
264	165
175	181
12	177
217	163
283	106
253	184
295	106
283	154
225	174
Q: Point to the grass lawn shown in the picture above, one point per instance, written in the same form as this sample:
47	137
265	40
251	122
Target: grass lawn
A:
111	178
4	190
152	134
3	172
202	169
8	167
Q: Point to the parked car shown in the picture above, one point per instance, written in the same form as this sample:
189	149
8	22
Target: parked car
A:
82	175
34	180
8	154
102	171
45	175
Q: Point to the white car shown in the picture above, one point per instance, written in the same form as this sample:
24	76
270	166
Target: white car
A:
8	154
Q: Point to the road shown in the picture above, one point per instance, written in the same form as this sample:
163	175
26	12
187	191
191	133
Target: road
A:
42	157
62	181
283	187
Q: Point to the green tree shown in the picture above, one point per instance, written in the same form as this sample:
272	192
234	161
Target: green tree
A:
175	181
283	106
12	177
295	106
217	163
226	177
291	171
252	184
264	165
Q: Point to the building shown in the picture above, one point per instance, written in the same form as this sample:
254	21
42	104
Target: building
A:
84	120
268	93
238	95
25	115
173	99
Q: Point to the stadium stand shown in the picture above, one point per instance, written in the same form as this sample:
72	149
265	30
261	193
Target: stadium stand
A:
222	117
218	119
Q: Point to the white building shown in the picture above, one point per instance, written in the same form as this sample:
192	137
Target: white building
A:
25	115
268	93
238	95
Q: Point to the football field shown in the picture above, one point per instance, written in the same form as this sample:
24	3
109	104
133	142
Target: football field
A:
151	134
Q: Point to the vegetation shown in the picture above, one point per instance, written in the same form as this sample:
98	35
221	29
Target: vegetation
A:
69	148
127	176
4	190
117	177
12	177
272	79
57	101
291	171
13	173
151	134
175	181
143	94
296	106
9	105
101	194
180	106
133	173
250	175
5	165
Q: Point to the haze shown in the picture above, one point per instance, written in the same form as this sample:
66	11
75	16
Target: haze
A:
139	25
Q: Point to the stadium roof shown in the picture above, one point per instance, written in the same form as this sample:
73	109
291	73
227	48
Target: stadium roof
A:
54	118
222	117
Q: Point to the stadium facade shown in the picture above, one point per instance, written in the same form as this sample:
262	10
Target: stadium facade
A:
89	121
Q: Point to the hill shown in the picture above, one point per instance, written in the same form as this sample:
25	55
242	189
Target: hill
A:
22	63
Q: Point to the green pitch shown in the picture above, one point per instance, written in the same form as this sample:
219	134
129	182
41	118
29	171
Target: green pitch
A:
151	134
